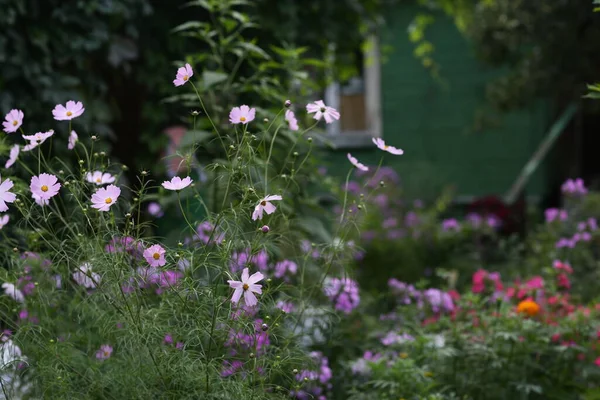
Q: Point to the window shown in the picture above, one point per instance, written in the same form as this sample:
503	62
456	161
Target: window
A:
359	102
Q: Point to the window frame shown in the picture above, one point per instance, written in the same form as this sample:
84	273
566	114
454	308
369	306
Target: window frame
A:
372	95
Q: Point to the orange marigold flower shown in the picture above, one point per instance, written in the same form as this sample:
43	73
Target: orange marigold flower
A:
529	307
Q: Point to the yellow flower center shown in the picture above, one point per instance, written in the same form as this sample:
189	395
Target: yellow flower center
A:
156	256
386	146
243	119
108	200
15	123
106	353
99	180
69	113
185	77
245	286
44	188
263	203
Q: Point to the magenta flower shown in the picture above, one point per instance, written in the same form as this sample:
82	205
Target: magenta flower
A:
155	255
104	198
4	220
177	183
12	158
104	353
322	111
355	162
99	178
247	286
45	186
291	120
72	110
85	277
73	138
265	205
37	139
390	149
5	195
183	75
241	115
14	120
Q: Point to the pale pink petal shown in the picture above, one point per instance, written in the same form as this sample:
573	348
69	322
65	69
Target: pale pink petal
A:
258	213
245	274
269	208
250	299
273	197
255	288
237	294
257	276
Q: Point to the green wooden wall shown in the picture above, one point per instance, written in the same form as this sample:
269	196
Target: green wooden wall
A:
434	122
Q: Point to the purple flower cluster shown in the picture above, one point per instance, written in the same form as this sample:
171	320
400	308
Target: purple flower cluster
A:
255	342
437	300
555	214
307	248
392	338
583	234
152	277
243	259
317	380
206	233
343	292
477	221
125	244
450	224
284	268
241	344
574	187
405	292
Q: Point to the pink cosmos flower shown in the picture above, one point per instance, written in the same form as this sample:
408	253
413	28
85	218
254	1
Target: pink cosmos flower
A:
183	75
4	220
390	149
355	162
99	178
155	255
104	353
247	286
39	201
104	198
45	186
242	115
291	120
85	277
321	110
177	183
14	120
5	195
72	110
11	291
73	139
12	158
37	139
266	206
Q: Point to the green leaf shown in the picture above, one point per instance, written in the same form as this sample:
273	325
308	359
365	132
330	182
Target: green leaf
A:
252	48
186	26
211	78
